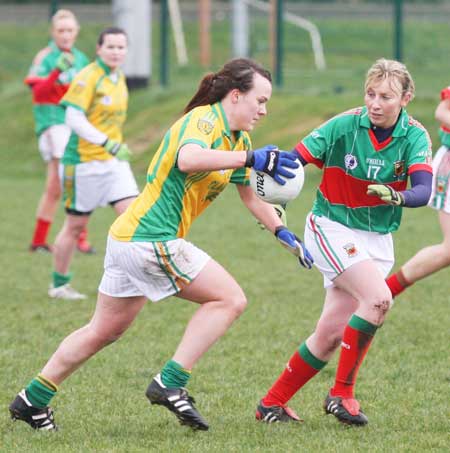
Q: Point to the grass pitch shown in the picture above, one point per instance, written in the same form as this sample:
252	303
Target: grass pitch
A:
403	385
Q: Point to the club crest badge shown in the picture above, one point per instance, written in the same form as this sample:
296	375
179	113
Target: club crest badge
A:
441	185
206	124
350	161
399	168
351	250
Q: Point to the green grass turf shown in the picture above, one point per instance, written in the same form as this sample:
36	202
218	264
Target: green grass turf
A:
403	385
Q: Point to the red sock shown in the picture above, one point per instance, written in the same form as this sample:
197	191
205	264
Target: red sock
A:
301	367
41	230
83	236
355	343
397	283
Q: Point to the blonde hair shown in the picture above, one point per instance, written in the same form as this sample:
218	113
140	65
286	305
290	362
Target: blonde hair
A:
64	14
394	71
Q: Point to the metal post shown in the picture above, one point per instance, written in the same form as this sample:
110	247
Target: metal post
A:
239	29
205	32
398	29
164	62
279	44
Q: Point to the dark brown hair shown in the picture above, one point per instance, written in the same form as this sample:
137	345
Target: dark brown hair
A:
110	31
237	73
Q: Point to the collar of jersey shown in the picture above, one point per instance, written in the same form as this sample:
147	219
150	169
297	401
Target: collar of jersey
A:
400	128
102	64
53	46
220	112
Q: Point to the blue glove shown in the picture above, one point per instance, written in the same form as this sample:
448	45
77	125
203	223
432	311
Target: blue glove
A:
295	245
273	162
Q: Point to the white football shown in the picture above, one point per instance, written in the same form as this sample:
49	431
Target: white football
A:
266	188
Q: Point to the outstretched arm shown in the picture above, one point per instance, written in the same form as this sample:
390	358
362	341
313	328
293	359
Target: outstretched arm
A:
417	196
267	215
193	158
264	212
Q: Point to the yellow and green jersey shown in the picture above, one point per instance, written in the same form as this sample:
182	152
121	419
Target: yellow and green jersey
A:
172	199
103	96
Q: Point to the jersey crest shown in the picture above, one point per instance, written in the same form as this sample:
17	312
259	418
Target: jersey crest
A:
350	161
206	123
399	167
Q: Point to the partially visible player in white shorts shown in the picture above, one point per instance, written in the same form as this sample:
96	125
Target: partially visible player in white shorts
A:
53	141
431	258
440	196
336	247
155	270
93	184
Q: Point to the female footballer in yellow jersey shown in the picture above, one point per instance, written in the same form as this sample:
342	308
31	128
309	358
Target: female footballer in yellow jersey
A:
95	168
148	256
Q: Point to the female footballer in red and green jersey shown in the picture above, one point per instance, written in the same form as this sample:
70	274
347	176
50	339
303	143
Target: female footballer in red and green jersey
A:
367	155
435	257
148	256
54	67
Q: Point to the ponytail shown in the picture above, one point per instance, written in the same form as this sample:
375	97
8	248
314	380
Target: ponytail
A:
236	74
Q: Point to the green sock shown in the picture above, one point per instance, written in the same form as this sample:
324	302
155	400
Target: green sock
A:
40	391
60	279
173	375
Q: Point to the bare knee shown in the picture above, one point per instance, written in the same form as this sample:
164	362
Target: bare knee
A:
236	304
73	229
378	308
102	337
53	191
53	187
444	251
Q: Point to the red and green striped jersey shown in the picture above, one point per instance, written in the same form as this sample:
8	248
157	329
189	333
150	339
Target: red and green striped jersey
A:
444	132
172	199
49	84
347	150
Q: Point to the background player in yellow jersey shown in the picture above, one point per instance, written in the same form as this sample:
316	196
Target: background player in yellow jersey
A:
49	77
148	256
95	168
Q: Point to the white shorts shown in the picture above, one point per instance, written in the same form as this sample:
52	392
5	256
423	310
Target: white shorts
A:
153	269
90	185
53	141
440	196
335	247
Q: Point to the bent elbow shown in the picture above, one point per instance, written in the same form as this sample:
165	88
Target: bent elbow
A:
183	165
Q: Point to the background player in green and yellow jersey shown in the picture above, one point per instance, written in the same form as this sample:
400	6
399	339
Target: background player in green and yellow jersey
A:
367	155
54	67
435	257
148	256
95	171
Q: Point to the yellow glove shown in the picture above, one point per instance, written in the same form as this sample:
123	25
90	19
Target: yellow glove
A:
119	150
386	193
65	61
